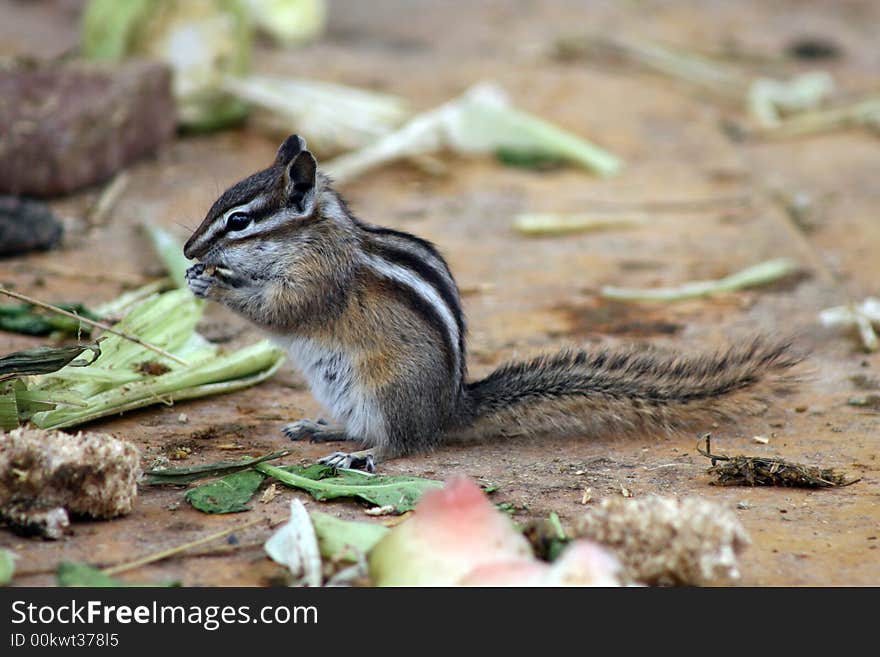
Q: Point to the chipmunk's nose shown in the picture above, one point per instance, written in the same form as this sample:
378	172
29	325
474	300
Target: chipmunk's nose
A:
189	249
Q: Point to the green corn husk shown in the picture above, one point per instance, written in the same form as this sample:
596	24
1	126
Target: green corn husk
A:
125	375
240	369
17	403
167	248
480	121
201	40
760	274
8	407
114	383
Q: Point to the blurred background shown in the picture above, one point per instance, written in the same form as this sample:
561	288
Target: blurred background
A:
566	157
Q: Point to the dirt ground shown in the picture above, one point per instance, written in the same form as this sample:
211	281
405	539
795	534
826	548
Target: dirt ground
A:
524	295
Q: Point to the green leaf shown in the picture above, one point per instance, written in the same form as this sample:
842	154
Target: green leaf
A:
29	320
345	539
400	493
227	495
7	566
71	573
170	252
183	476
44	360
8	406
527	159
109	27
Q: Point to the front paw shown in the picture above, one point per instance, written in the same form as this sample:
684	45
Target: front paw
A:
199	281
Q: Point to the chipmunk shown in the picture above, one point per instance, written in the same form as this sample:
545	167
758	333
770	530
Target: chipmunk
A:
372	317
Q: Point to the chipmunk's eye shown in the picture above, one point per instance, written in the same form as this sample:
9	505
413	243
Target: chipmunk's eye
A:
237	221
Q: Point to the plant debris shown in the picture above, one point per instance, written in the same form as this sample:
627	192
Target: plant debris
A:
865	382
767	100
666	541
288	22
295	546
27	320
480	121
91	322
863	317
45	360
547	537
336	118
189	474
152	368
401	493
860	113
345	540
93	475
70	573
227	495
760	274
7	566
547	223
111	385
871	402
202	41
763	471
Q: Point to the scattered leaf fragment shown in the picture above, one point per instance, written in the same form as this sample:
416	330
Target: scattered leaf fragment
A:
295	546
334	117
189	474
227	495
760	274
871	402
269	494
546	223
480	121
45	360
401	493
28	320
7	566
863	317
761	471
152	368
71	573
345	539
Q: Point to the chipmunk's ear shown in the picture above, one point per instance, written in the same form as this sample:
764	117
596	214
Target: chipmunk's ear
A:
299	181
291	147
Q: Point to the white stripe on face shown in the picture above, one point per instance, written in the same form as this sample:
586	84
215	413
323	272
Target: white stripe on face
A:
420	287
218	227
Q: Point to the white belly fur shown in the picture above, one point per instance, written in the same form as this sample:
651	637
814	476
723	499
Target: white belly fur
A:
334	384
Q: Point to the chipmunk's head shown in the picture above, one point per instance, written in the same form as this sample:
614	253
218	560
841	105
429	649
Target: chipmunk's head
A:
269	203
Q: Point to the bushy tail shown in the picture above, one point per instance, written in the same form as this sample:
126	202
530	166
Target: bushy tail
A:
617	391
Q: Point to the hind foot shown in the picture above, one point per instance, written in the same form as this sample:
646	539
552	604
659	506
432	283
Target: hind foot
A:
364	460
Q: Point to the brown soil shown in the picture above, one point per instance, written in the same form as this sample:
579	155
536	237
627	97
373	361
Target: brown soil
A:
533	294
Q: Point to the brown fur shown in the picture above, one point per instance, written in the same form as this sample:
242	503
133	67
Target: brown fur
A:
630	390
